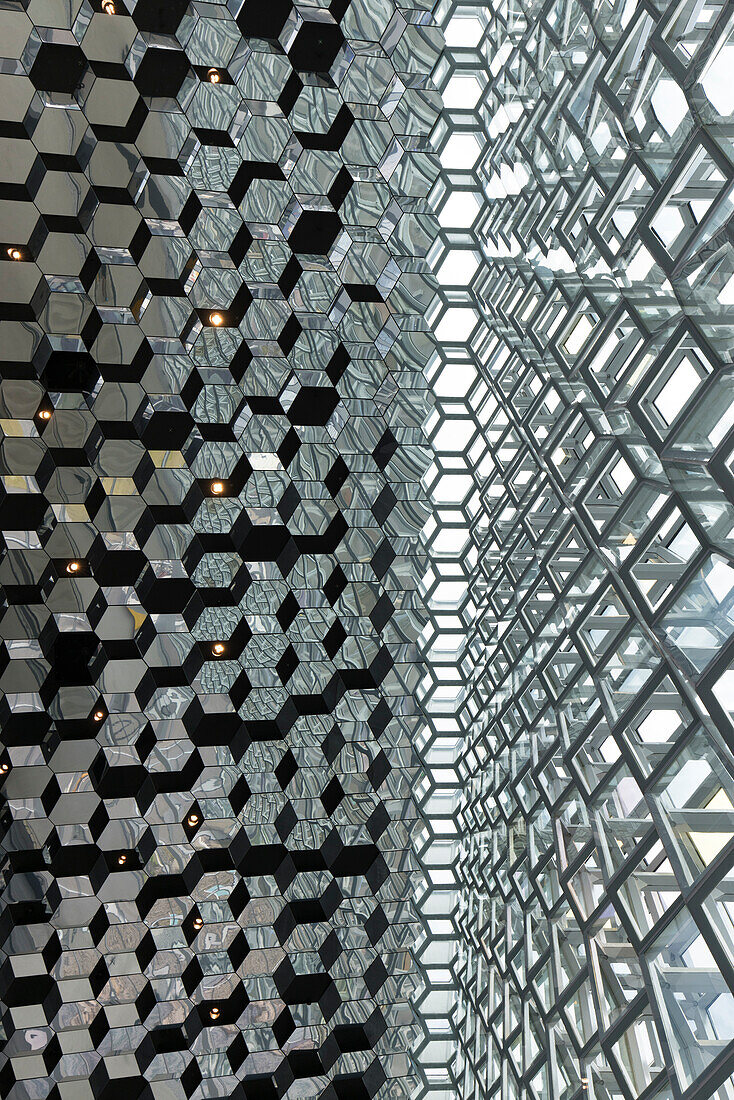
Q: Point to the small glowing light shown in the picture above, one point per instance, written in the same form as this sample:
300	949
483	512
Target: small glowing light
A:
122	860
15	254
44	414
108	7
216	319
217	487
4	768
214	1013
98	715
214	76
198	923
218	649
630	540
73	567
193	819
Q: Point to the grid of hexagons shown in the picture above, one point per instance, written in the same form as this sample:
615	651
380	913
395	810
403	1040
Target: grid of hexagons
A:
582	565
213	287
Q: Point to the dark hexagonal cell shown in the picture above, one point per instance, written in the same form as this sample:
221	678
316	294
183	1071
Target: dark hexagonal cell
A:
263	18
313	405
315	232
70	372
265	543
259	1088
165	596
161	73
22	511
305	1063
350	1087
316	46
167	430
58	68
159	16
72	655
119	566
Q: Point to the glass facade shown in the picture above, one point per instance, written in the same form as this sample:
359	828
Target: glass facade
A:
213	282
367	506
582	680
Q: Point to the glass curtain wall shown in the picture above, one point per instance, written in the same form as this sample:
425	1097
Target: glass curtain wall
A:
367	504
581	693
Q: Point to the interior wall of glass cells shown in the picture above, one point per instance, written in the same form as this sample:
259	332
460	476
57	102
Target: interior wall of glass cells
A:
213	289
584	538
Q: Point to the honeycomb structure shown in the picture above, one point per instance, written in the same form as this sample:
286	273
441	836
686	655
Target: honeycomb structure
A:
213	296
580	689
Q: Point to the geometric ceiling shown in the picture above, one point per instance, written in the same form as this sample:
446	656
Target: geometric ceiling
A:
367	562
584	529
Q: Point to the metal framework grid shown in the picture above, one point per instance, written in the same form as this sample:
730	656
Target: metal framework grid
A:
582	553
213	286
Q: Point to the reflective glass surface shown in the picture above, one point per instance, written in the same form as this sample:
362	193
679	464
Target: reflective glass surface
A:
213	282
